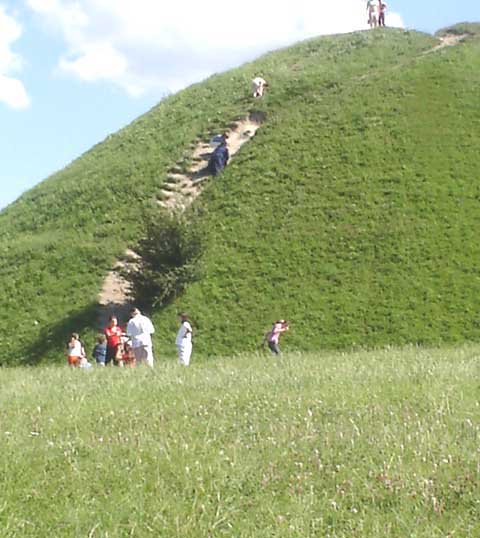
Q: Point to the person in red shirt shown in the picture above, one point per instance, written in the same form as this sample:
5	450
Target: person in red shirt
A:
114	339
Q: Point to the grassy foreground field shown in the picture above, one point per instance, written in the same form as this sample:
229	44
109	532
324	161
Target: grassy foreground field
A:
357	445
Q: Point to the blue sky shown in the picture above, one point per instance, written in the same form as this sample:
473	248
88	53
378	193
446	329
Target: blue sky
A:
72	72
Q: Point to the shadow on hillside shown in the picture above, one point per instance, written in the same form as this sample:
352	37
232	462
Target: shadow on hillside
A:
51	344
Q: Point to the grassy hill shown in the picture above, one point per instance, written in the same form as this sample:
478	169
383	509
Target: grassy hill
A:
371	445
353	212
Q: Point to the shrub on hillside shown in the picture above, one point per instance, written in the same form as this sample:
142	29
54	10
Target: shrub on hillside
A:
169	260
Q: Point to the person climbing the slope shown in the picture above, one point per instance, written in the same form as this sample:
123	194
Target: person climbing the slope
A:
219	158
259	85
382	9
184	340
372	10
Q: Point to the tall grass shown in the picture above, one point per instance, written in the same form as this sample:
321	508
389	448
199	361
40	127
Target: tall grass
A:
349	444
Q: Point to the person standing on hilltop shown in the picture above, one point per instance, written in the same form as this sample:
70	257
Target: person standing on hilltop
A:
184	340
114	333
140	330
259	85
372	10
273	336
382	9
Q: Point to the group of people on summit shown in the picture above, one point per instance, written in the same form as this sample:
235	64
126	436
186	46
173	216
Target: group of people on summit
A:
376	10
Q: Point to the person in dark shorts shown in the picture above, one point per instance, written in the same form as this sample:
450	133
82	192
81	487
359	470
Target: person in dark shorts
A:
273	336
382	9
114	334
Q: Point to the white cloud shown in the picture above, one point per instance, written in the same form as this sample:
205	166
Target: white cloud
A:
147	45
12	90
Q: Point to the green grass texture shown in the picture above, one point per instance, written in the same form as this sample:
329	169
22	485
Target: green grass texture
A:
334	444
353	212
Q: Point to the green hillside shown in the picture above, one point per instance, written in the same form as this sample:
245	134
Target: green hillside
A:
353	212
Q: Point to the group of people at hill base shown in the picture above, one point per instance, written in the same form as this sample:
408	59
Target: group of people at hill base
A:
131	346
376	10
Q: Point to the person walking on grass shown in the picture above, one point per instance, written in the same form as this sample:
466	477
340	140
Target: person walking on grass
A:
114	333
140	330
273	336
382	9
184	340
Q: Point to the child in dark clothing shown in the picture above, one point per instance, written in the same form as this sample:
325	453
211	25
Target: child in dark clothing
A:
100	350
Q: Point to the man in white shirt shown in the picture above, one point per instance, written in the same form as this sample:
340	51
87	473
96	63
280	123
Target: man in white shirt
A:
184	340
140	330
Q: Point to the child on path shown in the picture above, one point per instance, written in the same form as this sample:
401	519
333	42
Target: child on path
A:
273	336
259	85
75	350
184	340
100	350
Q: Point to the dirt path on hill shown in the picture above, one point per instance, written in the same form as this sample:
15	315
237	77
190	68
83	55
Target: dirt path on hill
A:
180	190
113	299
448	40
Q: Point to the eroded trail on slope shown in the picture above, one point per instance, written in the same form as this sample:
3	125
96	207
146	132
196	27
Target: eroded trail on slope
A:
448	40
179	191
182	188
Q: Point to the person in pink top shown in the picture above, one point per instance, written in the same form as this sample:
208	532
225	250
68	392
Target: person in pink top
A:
273	336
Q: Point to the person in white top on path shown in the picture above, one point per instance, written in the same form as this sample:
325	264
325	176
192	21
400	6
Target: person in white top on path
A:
140	330
184	340
258	86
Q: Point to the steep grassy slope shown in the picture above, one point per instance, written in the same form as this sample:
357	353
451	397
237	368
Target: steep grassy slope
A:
353	212
365	445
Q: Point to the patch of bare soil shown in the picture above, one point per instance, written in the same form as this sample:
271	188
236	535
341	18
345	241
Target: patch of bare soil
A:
448	40
113	299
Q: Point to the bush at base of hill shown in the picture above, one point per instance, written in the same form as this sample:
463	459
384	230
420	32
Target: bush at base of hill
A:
169	255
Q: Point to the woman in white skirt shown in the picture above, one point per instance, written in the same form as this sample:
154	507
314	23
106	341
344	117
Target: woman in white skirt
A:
184	340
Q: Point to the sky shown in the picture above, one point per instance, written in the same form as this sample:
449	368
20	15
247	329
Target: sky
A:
74	71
